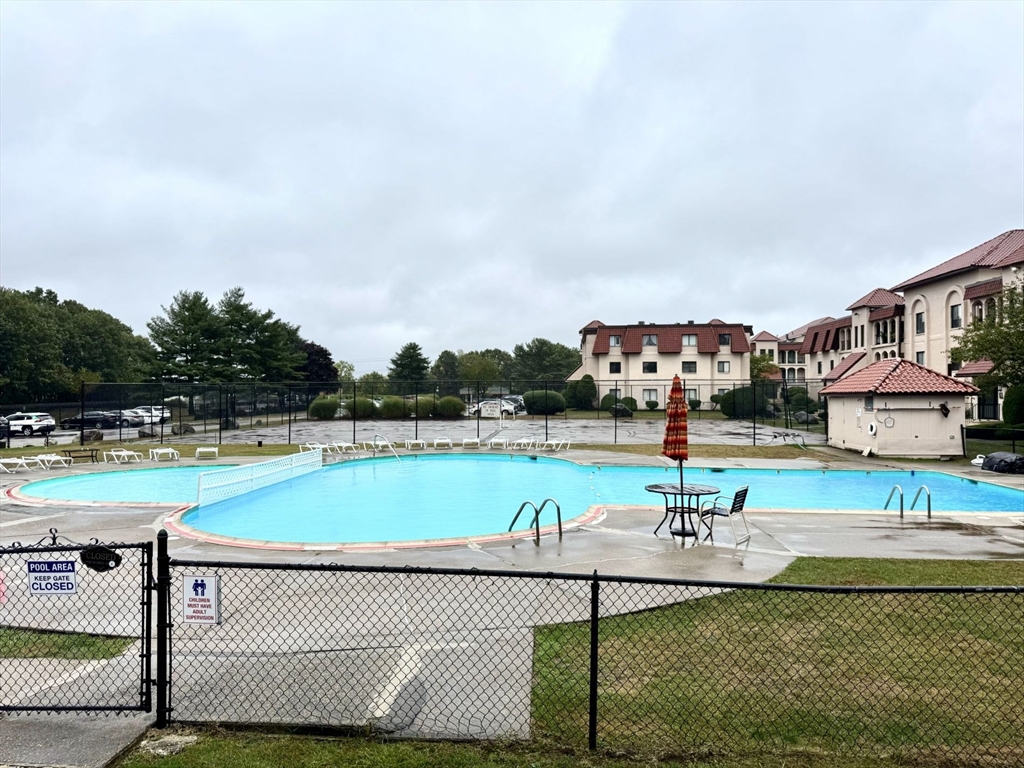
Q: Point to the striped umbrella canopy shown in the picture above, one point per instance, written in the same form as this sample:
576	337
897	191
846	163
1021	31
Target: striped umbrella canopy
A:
675	443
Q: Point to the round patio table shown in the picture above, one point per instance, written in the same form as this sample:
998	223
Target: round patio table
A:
690	494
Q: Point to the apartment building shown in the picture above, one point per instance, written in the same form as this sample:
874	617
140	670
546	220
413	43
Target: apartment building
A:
640	360
919	319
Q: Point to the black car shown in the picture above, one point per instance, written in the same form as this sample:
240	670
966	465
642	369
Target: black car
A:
92	420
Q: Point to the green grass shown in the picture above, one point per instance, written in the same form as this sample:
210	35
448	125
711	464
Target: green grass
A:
219	749
922	677
708	451
30	644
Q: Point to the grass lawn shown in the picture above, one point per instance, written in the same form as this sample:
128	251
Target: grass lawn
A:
29	644
891	701
708	451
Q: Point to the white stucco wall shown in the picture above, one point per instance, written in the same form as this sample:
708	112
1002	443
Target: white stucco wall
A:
905	425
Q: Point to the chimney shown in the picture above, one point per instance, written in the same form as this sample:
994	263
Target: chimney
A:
639	322
689	322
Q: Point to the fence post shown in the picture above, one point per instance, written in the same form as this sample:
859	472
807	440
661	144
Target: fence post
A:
546	408
81	419
595	603
963	439
163	626
290	413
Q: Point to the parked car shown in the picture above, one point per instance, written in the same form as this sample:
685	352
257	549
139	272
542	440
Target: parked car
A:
92	420
31	423
507	408
517	401
131	418
5	430
157	413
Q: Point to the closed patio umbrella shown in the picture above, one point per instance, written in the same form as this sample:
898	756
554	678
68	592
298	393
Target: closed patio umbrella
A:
675	443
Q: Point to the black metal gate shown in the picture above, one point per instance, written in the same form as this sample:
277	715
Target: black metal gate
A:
75	627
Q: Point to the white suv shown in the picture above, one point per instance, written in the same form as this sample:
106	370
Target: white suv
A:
154	414
30	423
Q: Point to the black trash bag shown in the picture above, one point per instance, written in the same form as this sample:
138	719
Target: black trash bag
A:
1005	462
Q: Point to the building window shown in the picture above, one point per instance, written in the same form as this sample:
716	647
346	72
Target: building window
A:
650	395
723	366
650	367
771	354
724	339
650	339
616	393
689	366
869	402
977	313
819	366
831	365
722	391
791	356
791	374
614	367
800	374
689	340
614	341
919	358
919	323
690	394
954	316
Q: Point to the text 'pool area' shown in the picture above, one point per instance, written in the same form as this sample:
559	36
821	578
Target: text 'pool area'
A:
459	497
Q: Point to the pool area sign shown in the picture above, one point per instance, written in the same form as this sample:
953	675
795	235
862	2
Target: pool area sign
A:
201	599
52	577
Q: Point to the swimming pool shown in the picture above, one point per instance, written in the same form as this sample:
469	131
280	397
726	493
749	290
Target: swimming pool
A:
160	485
458	497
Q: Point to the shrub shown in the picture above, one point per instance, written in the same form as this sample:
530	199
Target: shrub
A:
450	407
392	407
694	403
1013	405
424	406
586	393
571	393
716	400
609	400
365	408
799	400
324	408
542	402
651	404
739	403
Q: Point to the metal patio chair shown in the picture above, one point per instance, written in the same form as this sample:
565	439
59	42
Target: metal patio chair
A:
713	508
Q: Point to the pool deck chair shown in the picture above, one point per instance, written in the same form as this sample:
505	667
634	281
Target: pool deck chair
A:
524	444
712	509
554	445
340	446
416	445
471	442
442	442
498	442
121	456
49	459
10	466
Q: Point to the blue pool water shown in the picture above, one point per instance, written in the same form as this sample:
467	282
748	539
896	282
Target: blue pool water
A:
432	497
164	484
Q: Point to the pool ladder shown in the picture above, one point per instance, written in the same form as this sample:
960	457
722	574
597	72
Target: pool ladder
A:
381	443
535	523
927	492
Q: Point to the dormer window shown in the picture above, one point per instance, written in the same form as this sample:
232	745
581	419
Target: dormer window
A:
650	339
689	339
614	341
724	339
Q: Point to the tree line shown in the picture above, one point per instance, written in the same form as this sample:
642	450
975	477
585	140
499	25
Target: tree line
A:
49	348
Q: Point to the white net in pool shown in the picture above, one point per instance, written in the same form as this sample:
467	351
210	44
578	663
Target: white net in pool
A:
220	484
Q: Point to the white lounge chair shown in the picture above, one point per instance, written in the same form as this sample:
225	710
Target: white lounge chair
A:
415	445
442	442
49	459
156	454
342	447
471	442
121	456
12	465
524	444
549	445
498	442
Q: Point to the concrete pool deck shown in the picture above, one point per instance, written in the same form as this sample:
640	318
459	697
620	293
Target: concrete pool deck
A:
621	543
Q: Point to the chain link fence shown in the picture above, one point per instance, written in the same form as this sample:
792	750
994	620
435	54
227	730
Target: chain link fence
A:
279	413
642	666
75	637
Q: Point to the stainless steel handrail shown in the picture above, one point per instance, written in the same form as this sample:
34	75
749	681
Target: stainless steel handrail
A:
386	442
928	495
535	523
894	489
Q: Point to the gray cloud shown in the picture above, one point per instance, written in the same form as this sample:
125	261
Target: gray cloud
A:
474	175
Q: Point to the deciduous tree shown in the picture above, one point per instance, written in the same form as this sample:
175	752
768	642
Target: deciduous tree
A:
999	338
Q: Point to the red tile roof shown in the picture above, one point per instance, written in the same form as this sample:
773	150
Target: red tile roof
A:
977	368
880	297
1001	251
823	337
802	330
765	336
898	377
591	326
884	313
983	289
844	367
670	337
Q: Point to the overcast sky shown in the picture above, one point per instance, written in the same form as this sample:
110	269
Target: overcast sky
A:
475	175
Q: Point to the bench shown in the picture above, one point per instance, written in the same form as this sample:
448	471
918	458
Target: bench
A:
82	453
209	452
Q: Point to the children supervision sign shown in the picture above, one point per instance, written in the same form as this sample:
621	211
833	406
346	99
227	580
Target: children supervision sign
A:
201	599
52	577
